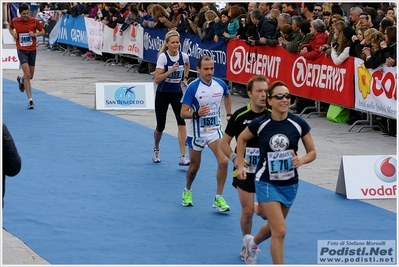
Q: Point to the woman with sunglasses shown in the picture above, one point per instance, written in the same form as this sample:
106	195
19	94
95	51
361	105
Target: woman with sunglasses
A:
276	176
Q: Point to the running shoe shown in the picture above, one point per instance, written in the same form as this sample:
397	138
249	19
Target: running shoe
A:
251	254
184	161
20	84
242	253
31	105
221	204
156	156
187	199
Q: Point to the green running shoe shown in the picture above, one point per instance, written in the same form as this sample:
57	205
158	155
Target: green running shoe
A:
221	205
187	199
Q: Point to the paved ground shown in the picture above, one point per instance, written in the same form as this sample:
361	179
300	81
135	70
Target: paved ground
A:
71	78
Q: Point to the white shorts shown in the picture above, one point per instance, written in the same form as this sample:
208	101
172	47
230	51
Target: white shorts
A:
199	143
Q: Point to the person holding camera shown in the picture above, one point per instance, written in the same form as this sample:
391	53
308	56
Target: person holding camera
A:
264	28
341	48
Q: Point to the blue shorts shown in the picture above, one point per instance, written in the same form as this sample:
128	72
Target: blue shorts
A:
267	192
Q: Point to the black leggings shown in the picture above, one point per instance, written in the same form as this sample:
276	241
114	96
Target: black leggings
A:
162	101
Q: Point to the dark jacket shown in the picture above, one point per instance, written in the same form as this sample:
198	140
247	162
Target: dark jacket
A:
220	28
11	158
377	59
265	28
390	51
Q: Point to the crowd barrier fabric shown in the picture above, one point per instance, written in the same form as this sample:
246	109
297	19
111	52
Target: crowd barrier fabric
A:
95	35
375	90
131	42
190	44
349	84
319	79
72	31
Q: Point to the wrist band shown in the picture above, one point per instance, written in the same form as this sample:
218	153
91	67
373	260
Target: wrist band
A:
232	156
195	115
229	115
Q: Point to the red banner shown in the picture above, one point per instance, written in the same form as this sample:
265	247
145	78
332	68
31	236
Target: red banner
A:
318	79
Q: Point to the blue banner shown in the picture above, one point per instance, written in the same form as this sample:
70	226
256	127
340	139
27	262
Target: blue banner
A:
190	44
73	31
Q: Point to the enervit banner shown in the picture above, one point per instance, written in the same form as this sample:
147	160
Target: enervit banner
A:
318	79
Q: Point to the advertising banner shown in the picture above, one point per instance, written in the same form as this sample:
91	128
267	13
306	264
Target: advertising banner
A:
129	43
318	79
72	31
190	44
375	90
124	96
9	59
95	31
368	177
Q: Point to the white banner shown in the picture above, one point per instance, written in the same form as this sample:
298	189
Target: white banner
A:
125	96
131	42
10	59
53	36
7	37
95	38
368	177
375	90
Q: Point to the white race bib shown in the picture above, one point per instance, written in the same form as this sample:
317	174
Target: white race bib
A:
25	39
280	165
252	157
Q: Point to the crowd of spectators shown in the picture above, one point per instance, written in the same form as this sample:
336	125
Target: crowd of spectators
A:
308	29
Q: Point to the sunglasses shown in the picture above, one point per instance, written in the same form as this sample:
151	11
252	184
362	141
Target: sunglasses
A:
317	10
281	96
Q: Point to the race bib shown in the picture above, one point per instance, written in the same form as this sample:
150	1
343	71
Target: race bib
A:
252	156
209	123
175	77
25	39
280	165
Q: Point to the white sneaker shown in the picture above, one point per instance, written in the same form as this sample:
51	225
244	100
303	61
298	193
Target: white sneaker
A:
242	253
184	161
156	156
251	254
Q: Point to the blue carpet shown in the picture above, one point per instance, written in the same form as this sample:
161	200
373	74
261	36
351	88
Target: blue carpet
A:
89	193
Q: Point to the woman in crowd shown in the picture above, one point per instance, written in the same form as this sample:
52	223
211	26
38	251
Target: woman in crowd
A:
174	17
340	51
221	25
357	41
389	46
233	26
133	18
208	31
276	184
172	66
374	56
311	50
331	28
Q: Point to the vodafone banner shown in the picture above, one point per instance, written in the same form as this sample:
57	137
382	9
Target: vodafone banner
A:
319	79
375	90
131	42
368	177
